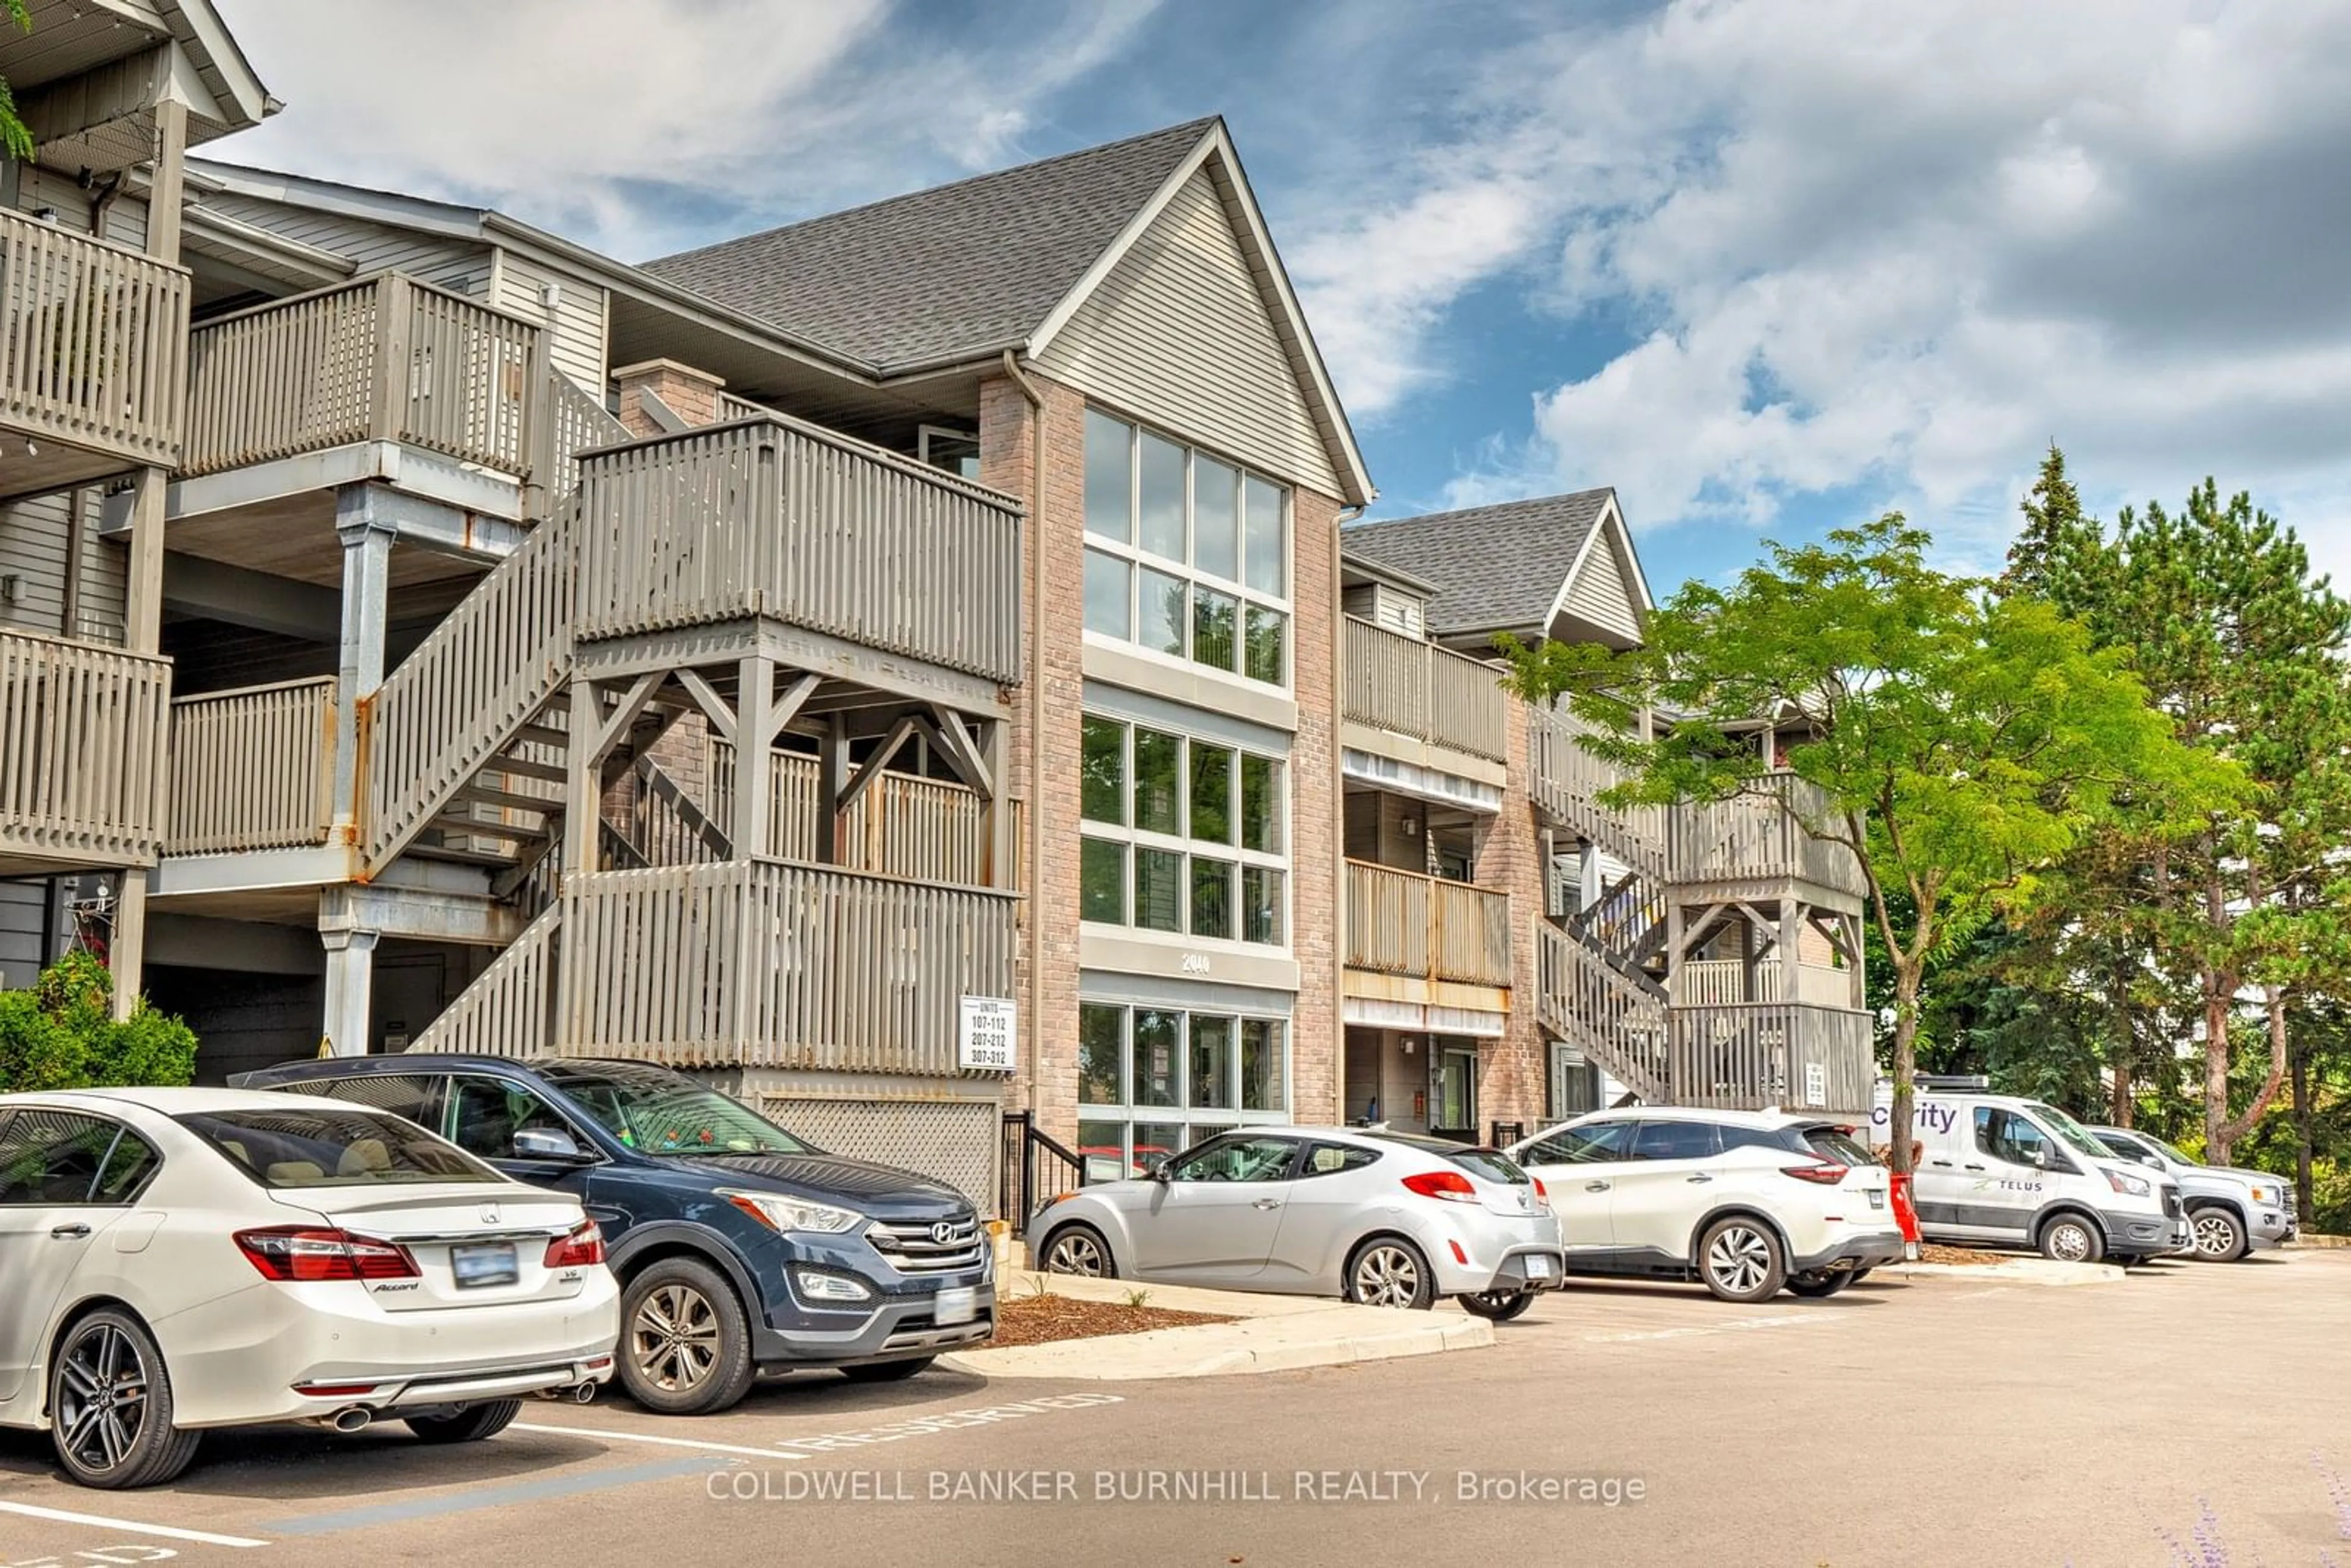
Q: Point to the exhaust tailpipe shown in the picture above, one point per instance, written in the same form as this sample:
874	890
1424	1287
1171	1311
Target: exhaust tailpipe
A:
351	1418
585	1394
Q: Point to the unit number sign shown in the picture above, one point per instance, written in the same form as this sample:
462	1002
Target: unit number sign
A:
985	1042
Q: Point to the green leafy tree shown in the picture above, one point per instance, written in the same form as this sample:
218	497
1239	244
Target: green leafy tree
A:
1964	741
2236	639
15	136
62	1034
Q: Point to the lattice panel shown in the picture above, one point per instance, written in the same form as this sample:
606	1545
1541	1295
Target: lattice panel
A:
953	1141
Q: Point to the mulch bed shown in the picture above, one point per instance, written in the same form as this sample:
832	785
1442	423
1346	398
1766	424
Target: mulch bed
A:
1042	1320
1930	1253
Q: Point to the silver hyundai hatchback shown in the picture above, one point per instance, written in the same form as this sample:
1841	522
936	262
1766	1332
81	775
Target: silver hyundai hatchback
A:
1388	1219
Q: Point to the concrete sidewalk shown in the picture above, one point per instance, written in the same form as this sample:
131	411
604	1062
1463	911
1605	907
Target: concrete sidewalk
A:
1274	1333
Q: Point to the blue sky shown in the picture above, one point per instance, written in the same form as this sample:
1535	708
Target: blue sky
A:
1765	265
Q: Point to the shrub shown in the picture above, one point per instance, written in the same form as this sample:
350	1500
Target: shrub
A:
61	1034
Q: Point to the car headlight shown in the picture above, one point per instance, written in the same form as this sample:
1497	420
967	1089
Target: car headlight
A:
2138	1187
2266	1195
779	1211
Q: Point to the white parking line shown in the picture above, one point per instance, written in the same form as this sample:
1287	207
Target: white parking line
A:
129	1527
1725	1326
658	1442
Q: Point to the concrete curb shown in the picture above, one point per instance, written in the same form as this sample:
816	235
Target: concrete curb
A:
1275	1334
2022	1272
2317	1243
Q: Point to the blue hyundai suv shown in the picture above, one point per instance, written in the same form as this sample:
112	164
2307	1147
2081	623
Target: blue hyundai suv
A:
740	1248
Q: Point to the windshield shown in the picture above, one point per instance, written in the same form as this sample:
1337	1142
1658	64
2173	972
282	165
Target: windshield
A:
2069	1130
2177	1157
333	1146
658	1114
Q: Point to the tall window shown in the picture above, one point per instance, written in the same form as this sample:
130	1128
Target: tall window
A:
1154	1080
1186	555
1181	834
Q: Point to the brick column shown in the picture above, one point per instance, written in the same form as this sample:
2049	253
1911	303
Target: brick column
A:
1318	1038
689	394
1516	1067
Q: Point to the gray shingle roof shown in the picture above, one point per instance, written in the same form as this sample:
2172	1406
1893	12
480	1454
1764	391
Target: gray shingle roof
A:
969	267
1499	566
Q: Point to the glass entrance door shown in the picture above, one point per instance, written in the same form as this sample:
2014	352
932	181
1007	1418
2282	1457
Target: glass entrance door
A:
1452	1091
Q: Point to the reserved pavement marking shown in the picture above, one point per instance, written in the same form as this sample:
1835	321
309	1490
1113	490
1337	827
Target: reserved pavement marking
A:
491	1497
128	1526
1729	1325
660	1442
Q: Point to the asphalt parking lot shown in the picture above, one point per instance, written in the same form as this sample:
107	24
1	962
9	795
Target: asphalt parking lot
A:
1960	1421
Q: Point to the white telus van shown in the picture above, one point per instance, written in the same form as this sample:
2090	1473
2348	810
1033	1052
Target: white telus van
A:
1999	1171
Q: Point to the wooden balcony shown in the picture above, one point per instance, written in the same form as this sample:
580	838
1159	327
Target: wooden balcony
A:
1760	836
93	358
253	768
1721	981
1752	1055
776	520
82	737
754	963
387	358
1424	927
926	830
1410	687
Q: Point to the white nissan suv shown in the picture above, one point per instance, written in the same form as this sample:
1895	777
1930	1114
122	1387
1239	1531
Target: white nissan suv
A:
1744	1202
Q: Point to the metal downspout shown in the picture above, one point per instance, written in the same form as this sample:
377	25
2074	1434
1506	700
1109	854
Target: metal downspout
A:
1036	674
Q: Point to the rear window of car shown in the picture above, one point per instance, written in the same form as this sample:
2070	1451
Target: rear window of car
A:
1492	1163
1836	1144
332	1145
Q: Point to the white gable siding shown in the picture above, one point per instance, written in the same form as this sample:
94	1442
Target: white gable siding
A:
579	347
1600	595
460	266
1179	335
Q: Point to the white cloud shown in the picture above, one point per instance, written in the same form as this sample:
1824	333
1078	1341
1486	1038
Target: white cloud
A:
1891	251
629	123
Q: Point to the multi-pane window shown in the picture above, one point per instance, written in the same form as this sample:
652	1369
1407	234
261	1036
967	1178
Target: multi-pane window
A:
1154	1080
1186	555
1181	834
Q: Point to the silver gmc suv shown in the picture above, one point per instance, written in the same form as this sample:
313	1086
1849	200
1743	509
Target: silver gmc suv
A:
2230	1211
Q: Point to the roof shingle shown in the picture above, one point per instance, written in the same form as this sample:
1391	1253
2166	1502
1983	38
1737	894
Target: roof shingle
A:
967	268
1498	567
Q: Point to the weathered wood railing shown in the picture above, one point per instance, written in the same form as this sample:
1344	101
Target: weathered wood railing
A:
468	687
577	422
386	359
83	731
1760	835
1747	1055
1410	686
1401	923
761	964
1712	981
93	342
926	830
1567	780
253	768
506	1009
779	519
1617	1022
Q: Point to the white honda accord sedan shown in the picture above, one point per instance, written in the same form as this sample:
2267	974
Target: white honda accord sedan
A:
173	1260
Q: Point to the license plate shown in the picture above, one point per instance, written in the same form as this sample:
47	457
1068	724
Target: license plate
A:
492	1264
1877	1199
959	1305
1538	1266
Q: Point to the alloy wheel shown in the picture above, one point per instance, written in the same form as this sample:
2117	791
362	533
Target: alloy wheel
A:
1387	1276
1739	1259
2216	1234
103	1406
674	1339
1076	1253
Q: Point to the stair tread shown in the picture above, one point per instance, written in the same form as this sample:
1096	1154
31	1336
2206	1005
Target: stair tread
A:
490	795
481	858
552	772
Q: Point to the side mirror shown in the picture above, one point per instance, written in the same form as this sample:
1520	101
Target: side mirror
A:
2043	1160
1161	1174
547	1144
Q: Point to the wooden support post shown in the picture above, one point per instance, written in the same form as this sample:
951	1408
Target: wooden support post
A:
394	350
755	700
996	812
831	791
582	787
350	988
358	666
1792	947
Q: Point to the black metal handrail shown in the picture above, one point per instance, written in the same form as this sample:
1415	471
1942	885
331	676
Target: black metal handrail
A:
1036	1167
1507	1133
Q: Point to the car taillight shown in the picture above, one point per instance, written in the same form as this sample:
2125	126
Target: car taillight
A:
1820	1174
1450	1185
584	1245
1542	1193
296	1254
